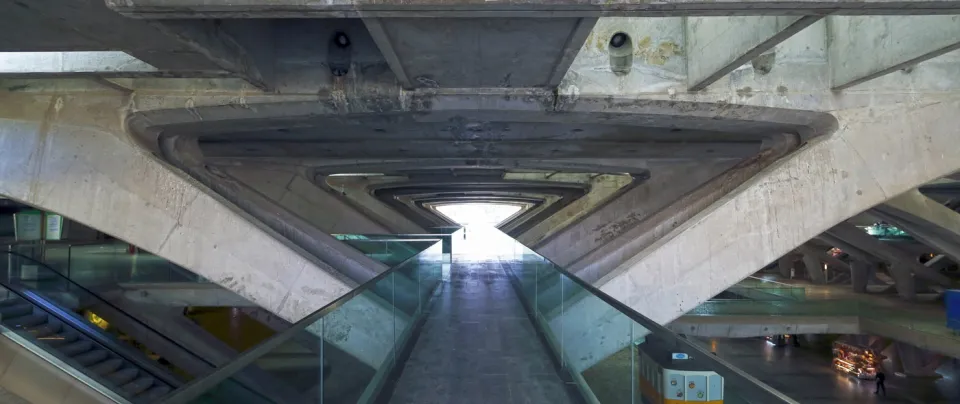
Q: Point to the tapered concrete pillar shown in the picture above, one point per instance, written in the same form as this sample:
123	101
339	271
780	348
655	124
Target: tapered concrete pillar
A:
860	275
785	267
904	282
918	362
814	269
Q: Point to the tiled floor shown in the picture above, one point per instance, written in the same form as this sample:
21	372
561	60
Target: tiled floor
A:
478	346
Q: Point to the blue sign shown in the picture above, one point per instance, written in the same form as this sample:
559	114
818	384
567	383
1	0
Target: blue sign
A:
680	356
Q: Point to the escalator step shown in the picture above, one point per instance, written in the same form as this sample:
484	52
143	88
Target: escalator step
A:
26	321
10	301
155	393
123	376
16	310
65	337
45	330
106	367
91	358
138	386
76	348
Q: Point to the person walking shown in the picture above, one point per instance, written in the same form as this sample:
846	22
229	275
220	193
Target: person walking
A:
880	379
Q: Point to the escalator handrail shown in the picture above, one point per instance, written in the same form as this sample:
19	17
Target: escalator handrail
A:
62	365
107	303
728	369
199	386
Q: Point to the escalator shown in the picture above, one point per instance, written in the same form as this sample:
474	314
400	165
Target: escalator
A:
73	343
52	315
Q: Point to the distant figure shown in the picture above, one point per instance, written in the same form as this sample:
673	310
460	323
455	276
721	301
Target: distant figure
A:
880	378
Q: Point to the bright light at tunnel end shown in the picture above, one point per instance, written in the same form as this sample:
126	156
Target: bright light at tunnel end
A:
478	214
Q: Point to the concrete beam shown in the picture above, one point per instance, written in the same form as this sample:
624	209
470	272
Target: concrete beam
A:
602	189
73	64
246	53
864	48
353	191
609	226
386	48
814	269
556	8
804	194
894	257
289	189
65	155
647	230
717	46
820	254
925	219
481	149
579	34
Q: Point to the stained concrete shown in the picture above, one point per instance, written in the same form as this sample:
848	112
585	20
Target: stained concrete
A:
63	155
824	183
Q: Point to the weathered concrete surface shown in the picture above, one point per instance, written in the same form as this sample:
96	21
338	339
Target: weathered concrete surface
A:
789	203
177	295
62	153
864	48
718	45
353	191
925	219
288	187
584	247
602	189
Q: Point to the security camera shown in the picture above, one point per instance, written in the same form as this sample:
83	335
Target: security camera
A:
338	54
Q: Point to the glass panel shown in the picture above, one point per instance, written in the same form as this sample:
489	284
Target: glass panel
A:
61	340
344	352
754	288
617	356
104	322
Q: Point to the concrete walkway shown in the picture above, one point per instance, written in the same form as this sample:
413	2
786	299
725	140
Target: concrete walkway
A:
478	345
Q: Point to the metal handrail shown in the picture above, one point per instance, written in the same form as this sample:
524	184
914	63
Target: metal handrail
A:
199	386
726	369
107	303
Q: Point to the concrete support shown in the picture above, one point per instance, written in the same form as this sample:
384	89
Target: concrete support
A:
64	155
898	260
925	219
353	191
814	269
646	230
860	275
600	240
864	48
917	362
289	189
718	45
785	266
602	189
73	64
791	202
